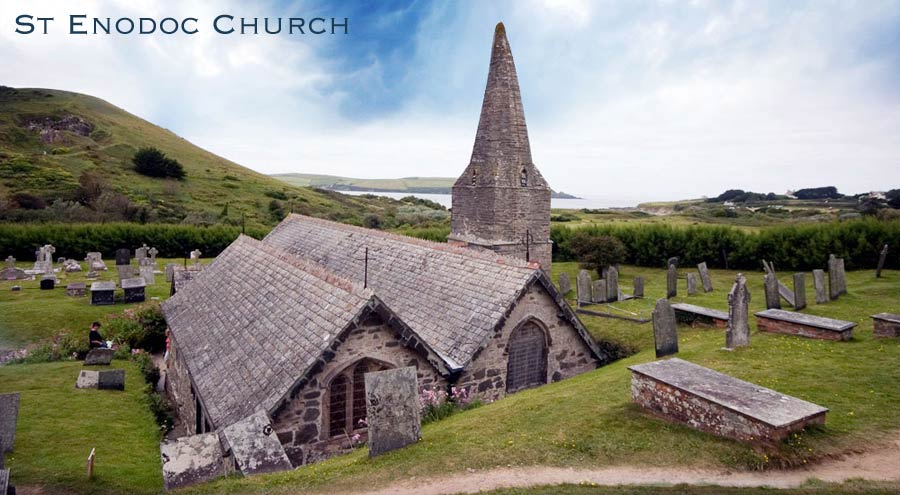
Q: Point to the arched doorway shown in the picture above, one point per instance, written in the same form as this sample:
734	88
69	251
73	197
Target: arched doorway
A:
527	364
347	397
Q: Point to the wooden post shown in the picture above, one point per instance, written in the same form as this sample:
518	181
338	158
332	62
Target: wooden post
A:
90	465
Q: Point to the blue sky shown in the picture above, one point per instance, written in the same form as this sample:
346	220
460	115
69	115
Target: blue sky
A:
630	101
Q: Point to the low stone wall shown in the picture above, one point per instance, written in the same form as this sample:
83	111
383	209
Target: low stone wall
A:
886	325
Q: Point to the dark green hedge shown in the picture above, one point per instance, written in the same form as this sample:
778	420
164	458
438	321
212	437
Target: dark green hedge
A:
76	240
790	247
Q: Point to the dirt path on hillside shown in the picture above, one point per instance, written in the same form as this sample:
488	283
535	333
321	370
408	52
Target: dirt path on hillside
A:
878	465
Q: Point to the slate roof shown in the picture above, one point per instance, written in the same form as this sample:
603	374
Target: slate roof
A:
253	322
454	298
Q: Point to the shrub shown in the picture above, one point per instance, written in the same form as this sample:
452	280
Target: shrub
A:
28	201
596	252
143	327
154	163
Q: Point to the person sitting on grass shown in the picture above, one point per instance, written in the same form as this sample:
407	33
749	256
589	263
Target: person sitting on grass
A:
96	340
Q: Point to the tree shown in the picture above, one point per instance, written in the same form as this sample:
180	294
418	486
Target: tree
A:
596	252
828	192
154	163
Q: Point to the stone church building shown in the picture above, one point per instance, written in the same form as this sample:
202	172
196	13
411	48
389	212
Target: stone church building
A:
290	324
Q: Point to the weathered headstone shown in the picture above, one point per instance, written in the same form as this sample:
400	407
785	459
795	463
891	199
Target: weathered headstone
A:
704	277
76	289
134	289
819	286
612	284
773	298
123	257
583	285
671	281
599	291
665	333
195	256
10	272
392	409
837	283
48	282
255	446
638	287
147	273
103	293
99	357
673	261
125	272
799	291
141	253
9	416
102	379
737	333
95	262
882	257
151	253
191	460
691	284
71	266
170	271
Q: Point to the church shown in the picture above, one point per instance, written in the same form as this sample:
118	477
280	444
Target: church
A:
290	324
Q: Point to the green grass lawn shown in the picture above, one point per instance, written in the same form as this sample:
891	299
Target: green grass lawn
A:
32	315
59	425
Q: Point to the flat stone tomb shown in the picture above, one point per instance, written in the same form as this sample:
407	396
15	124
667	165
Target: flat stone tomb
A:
103	293
134	289
699	316
255	447
886	325
804	325
76	289
392	409
191	460
719	404
102	380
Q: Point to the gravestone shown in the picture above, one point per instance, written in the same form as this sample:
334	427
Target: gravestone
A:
170	272
612	284
134	289
599	291
48	282
837	283
76	289
704	277
665	334
583	285
773	298
195	256
141	253
691	284
737	333
123	257
147	273
255	446
819	286
392	409
565	284
95	262
638	287
103	293
151	254
673	261
671	282
100	356
125	272
9	416
71	266
10	272
882	257
799	291
191	460
102	379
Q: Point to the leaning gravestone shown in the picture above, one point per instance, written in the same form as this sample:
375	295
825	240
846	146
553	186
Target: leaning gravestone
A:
123	257
9	416
837	282
599	291
392	409
664	331
255	446
737	333
799	291
612	284
99	356
704	277
583	285
191	460
671	282
691	284
638	287
565	284
882	257
819	286
773	298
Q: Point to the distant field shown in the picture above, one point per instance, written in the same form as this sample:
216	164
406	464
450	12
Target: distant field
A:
410	184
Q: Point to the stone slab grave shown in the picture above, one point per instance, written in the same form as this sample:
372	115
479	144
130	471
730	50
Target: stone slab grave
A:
76	289
804	325
638	287
392	409
886	325
565	283
698	316
9	417
705	279
799	291
612	284
837	278
598	292
123	257
882	257
719	404
819	286
99	357
101	380
191	460
134	289
671	281
103	293
665	334
737	331
255	448
583	285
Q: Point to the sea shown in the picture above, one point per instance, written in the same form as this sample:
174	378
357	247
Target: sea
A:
556	203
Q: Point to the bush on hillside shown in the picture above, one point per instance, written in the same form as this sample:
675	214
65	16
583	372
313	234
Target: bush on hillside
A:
596	252
154	163
828	192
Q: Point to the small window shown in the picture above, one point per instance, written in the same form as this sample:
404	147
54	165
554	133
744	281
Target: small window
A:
337	406
527	364
523	178
474	176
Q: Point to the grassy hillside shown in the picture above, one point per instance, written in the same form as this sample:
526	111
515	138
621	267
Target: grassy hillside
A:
405	184
50	139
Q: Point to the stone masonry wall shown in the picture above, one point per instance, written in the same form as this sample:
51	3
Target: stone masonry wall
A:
180	392
567	354
302	424
778	326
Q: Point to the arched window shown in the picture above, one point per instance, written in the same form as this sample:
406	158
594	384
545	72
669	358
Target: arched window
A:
474	176
523	178
527	364
347	397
